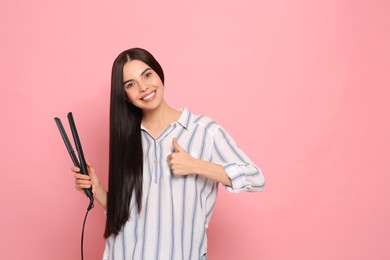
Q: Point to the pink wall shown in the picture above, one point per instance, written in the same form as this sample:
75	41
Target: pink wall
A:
303	86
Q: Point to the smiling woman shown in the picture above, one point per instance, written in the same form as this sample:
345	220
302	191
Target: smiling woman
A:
164	168
142	85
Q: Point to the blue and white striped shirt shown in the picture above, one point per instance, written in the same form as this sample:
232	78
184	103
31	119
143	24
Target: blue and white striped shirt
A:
176	210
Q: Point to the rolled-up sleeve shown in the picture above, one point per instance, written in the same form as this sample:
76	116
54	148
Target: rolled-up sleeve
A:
244	174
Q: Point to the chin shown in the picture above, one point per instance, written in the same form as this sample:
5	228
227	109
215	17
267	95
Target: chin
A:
150	107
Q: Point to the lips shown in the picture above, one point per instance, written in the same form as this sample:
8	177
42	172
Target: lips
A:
149	97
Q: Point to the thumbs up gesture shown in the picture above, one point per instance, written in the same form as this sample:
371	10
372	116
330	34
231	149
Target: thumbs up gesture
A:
180	161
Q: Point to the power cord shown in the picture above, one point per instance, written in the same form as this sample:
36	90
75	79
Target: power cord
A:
82	232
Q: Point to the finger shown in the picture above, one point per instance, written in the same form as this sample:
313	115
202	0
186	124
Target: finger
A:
83	183
177	147
75	169
176	171
91	170
79	176
83	186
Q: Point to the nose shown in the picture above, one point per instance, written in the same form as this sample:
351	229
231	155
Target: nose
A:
143	87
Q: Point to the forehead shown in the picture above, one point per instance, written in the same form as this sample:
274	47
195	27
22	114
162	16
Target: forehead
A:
133	69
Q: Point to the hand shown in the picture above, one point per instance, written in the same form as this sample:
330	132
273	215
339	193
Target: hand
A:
180	161
83	181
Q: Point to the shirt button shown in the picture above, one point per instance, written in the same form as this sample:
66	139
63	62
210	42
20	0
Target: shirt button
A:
155	161
174	124
248	188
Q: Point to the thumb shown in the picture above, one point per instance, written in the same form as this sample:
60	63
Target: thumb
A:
177	147
91	170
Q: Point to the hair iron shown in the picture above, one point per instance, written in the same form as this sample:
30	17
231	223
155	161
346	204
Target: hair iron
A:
80	164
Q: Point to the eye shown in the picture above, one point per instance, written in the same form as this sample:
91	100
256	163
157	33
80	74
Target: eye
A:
147	75
129	85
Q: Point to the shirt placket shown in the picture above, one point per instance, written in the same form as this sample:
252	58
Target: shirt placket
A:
158	151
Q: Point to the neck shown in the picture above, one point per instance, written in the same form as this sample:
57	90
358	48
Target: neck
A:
160	117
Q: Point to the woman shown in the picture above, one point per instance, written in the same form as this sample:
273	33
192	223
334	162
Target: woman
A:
164	168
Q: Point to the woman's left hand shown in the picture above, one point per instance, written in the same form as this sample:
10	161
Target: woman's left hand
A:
180	161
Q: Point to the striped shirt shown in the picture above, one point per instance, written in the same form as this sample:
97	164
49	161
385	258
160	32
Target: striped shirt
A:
176	210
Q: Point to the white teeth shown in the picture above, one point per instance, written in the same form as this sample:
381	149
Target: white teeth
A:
149	96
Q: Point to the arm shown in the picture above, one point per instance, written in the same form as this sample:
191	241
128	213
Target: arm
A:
212	171
229	166
243	173
182	163
83	181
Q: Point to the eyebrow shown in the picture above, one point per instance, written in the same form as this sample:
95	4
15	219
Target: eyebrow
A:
143	72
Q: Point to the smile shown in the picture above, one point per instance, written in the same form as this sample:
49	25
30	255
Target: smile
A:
149	97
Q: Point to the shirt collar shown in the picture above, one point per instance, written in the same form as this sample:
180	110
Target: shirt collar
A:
184	119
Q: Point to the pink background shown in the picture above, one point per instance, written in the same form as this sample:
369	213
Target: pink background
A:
303	87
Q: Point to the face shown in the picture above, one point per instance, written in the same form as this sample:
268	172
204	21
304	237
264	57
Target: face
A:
143	86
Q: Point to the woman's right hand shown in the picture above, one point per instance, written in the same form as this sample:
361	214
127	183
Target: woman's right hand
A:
83	181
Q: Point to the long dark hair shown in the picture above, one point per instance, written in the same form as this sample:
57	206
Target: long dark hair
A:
126	155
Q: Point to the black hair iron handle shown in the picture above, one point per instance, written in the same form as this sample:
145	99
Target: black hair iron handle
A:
67	142
82	164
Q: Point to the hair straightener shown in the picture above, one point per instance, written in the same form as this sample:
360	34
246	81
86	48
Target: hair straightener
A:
80	164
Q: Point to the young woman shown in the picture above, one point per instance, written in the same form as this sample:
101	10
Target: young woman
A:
164	168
